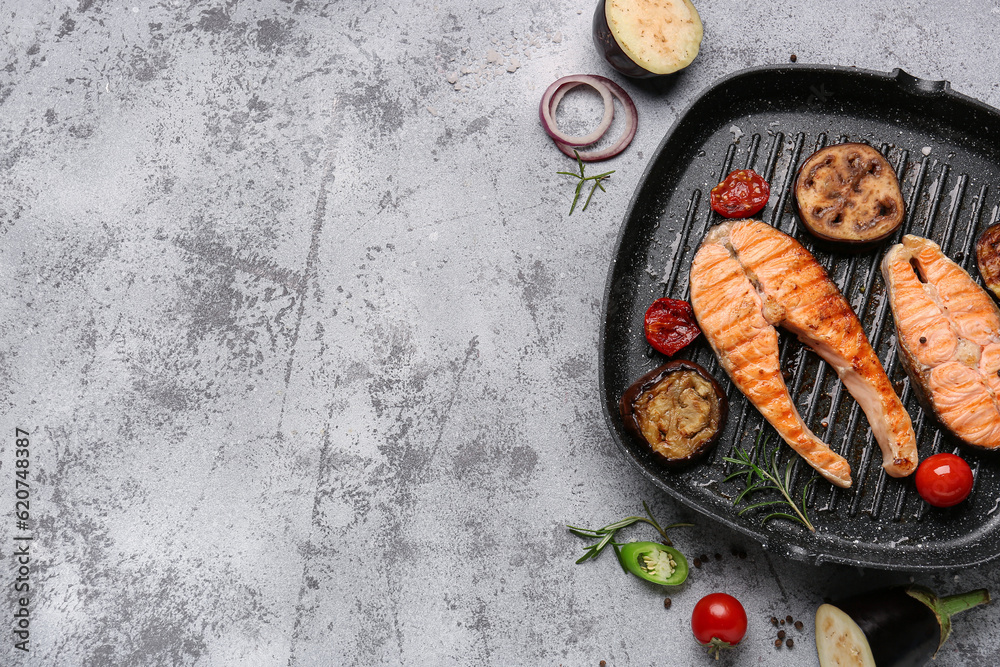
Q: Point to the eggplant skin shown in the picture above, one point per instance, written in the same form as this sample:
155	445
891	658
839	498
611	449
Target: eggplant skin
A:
892	627
901	630
628	407
646	39
988	258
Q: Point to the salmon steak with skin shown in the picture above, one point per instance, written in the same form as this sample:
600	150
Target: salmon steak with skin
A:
748	278
948	330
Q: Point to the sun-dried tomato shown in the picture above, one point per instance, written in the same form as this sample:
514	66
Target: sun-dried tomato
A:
743	193
670	325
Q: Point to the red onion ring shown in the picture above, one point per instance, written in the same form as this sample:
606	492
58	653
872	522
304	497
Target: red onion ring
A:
554	94
631	124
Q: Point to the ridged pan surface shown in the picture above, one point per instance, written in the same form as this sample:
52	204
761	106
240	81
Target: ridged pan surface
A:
945	148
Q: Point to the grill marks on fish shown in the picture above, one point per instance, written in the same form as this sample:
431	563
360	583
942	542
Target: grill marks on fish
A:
731	313
949	339
747	277
819	315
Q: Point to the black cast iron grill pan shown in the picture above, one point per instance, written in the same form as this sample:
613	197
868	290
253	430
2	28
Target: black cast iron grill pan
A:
945	148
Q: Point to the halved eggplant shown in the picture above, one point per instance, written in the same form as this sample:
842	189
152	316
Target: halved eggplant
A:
988	258
678	409
895	627
849	193
647	38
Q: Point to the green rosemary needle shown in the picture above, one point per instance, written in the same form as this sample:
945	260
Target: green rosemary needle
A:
606	535
582	178
768	477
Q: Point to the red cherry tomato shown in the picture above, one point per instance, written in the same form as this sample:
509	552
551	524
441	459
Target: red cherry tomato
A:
943	480
743	193
719	622
670	325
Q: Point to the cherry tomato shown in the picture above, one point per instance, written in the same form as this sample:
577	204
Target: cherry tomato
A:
719	622
944	480
743	193
670	325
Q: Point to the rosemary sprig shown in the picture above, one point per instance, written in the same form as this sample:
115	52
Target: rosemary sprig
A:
583	179
606	535
767	476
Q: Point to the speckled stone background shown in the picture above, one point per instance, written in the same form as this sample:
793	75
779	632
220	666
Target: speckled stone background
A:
307	344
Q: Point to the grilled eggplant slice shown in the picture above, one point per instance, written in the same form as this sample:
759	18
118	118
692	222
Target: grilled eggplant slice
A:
647	38
849	193
988	258
896	627
678	409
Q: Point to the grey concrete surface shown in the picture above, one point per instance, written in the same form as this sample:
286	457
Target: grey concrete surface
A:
306	342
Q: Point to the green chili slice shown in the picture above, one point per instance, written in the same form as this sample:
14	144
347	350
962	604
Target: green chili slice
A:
654	562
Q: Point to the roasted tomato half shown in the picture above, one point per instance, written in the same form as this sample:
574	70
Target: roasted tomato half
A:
743	193
670	325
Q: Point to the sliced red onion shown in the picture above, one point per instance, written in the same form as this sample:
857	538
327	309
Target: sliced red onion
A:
631	124
554	94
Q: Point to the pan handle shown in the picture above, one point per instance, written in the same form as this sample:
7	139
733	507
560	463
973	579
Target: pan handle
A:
917	86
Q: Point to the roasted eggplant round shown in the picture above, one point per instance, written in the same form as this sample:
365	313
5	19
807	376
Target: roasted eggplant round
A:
988	258
849	193
678	410
647	38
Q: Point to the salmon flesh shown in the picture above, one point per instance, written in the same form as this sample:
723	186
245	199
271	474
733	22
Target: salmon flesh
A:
948	333
748	278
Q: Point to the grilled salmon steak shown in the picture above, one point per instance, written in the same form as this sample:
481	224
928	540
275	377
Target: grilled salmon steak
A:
747	278
948	332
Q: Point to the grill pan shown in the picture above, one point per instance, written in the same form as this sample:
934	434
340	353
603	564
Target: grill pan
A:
945	148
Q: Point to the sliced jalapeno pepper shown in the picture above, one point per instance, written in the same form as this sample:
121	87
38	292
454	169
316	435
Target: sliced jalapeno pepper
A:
654	562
